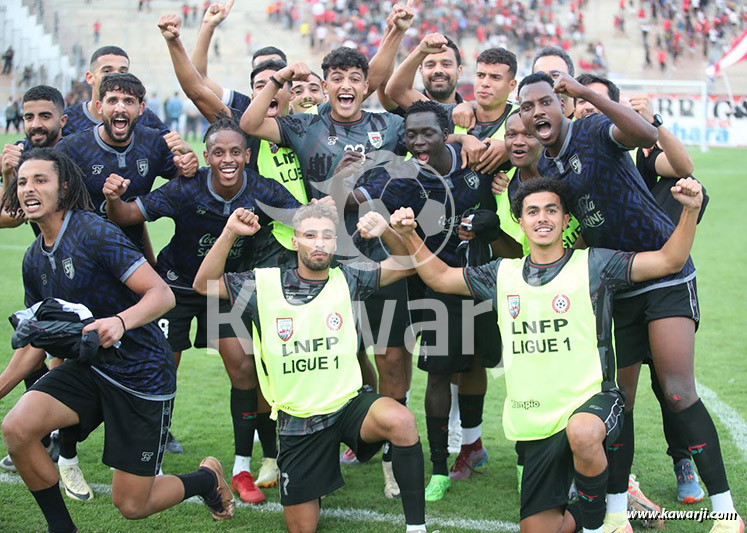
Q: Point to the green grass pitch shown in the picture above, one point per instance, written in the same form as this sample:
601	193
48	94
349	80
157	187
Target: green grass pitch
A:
202	420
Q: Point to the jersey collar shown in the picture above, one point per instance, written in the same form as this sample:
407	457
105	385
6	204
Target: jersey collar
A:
63	227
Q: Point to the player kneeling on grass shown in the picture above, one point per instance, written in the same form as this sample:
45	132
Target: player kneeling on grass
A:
554	308
82	258
305	346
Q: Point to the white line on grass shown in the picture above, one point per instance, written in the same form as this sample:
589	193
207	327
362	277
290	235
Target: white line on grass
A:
13	247
356	515
729	417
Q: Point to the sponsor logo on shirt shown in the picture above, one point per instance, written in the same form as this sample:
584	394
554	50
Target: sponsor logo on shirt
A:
331	140
96	169
590	216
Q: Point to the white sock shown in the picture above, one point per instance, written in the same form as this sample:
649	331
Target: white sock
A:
411	527
595	530
470	435
454	420
64	461
722	502
617	503
241	464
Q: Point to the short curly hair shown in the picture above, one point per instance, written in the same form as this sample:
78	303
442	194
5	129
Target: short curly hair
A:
536	185
344	58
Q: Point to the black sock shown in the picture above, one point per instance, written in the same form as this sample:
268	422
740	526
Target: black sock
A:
267	430
244	416
470	409
620	456
198	483
704	446
676	440
409	471
591	494
574	509
387	455
438	440
34	376
68	443
53	506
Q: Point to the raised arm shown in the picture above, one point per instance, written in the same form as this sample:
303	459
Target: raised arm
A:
435	273
121	213
241	222
191	82
401	85
673	255
630	129
381	66
254	121
214	15
675	162
399	264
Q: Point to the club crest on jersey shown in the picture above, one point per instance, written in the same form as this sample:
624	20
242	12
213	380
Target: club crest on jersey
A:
142	167
472	180
284	328
575	164
274	148
514	305
376	139
68	268
561	303
96	169
334	321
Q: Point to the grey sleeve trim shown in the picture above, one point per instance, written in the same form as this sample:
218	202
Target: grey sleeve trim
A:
144	211
619	144
124	277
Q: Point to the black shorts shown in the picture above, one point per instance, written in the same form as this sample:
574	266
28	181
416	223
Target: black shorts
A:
458	356
310	464
548	463
397	319
135	429
177	322
632	315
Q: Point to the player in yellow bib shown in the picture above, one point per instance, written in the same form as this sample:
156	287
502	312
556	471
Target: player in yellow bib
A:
554	308
305	339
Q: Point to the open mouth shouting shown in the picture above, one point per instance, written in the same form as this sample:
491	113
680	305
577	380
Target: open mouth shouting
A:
543	127
422	157
31	205
347	101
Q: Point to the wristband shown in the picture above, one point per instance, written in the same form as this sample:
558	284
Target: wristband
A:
123	323
274	80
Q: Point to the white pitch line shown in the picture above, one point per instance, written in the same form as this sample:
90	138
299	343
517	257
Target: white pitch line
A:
357	515
730	418
19	247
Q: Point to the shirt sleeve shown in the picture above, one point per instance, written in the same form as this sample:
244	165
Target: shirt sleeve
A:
481	280
162	202
167	169
293	129
611	268
114	252
363	279
646	165
275	195
600	129
242	290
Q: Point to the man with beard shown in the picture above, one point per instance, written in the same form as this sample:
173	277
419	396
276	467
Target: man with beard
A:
200	207
590	155
121	146
43	120
85	115
305	336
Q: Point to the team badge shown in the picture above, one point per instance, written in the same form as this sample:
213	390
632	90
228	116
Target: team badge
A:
274	148
171	275
376	139
334	321
575	164
68	268
472	181
142	167
284	328
561	303
514	306
96	169
331	140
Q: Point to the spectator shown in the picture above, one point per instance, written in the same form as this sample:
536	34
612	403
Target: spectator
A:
11	115
96	32
8	60
154	104
174	110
